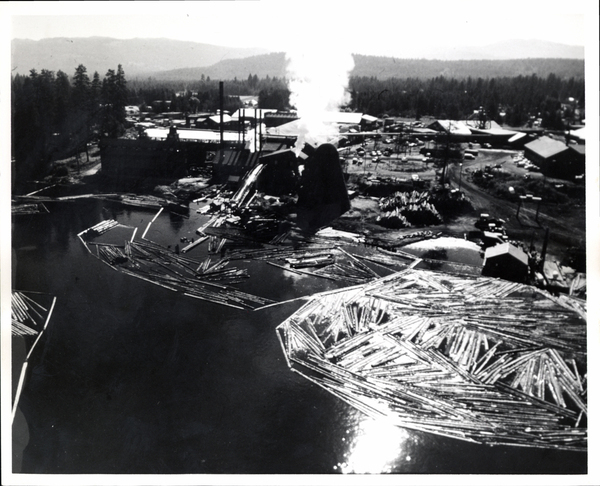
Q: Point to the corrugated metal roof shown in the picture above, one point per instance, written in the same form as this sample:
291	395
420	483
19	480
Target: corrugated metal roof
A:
504	249
546	147
369	118
453	126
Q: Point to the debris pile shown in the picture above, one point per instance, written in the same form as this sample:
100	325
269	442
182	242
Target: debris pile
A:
477	359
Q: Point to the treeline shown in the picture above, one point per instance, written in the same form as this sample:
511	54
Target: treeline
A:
509	100
54	115
275	65
203	94
390	67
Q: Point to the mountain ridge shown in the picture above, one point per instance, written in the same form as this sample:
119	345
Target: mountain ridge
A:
274	65
138	56
165	58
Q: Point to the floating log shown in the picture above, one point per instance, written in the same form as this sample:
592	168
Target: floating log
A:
193	244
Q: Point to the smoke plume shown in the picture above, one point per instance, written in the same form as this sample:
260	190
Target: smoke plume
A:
318	81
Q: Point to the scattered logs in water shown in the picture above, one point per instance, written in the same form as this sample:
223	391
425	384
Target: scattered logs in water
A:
24	209
29	319
153	263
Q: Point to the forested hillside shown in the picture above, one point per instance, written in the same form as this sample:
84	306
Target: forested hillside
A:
274	65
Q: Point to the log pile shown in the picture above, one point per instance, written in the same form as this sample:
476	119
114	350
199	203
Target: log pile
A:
477	359
405	209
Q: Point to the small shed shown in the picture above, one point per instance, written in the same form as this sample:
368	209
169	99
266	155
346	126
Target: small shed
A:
506	261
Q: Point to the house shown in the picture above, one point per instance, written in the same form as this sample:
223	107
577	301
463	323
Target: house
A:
506	261
213	122
368	122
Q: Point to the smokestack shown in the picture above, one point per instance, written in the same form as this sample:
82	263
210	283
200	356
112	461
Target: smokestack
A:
221	104
260	129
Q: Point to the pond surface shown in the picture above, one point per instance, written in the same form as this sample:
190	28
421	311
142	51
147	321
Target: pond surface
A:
135	378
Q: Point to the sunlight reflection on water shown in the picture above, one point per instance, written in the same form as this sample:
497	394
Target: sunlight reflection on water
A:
378	446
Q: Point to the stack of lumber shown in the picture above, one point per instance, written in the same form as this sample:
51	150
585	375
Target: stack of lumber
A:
477	359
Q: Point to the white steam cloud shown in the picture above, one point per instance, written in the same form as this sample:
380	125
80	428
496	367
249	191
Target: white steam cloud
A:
318	81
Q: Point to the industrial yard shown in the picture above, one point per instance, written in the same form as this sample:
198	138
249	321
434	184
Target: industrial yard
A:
324	272
351	217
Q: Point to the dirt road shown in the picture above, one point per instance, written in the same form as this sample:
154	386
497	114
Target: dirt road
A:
566	229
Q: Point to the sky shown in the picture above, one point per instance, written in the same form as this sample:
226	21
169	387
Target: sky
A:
377	27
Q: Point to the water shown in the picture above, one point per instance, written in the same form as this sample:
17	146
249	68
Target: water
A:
138	379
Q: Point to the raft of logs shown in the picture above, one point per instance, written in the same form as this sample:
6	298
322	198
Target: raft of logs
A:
473	358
